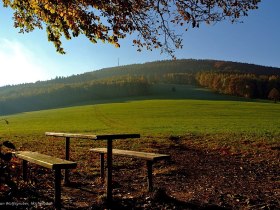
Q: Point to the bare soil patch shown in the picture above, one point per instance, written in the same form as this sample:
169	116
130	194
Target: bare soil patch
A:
196	177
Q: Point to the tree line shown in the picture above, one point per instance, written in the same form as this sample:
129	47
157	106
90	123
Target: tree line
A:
245	80
61	95
239	84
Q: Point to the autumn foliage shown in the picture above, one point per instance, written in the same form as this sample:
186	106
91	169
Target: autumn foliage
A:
248	85
110	20
274	94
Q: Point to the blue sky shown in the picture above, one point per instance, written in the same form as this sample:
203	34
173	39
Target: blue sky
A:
30	57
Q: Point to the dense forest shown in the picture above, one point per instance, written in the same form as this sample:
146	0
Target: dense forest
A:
246	80
239	84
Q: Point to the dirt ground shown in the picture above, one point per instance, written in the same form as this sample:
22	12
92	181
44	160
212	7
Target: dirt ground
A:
194	178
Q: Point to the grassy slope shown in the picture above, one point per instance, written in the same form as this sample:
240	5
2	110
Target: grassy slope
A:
172	113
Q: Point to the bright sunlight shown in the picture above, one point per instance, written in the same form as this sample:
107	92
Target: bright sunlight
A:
18	63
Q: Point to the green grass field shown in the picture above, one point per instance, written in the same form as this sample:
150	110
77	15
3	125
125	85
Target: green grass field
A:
167	114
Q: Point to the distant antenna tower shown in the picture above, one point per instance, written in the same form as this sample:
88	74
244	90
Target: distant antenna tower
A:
118	61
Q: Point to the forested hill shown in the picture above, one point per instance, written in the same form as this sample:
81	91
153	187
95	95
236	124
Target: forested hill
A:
185	66
160	68
135	80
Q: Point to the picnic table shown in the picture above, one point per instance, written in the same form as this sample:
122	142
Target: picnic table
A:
108	137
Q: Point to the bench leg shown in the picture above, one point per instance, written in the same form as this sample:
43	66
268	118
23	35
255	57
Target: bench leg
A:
24	170
102	166
57	189
150	175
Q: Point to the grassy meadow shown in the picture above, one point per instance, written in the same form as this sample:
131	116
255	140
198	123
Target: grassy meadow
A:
186	111
152	117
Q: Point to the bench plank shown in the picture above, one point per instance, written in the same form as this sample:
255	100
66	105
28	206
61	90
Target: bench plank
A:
142	155
45	160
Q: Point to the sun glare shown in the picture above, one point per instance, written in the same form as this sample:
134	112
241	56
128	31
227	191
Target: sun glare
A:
18	64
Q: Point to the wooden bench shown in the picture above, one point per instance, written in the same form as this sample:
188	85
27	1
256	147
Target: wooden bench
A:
50	162
149	157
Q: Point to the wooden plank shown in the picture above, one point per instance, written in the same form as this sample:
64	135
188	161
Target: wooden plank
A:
45	160
117	136
142	155
71	135
93	137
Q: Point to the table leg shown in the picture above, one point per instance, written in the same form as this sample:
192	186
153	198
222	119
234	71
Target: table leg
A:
109	171
67	157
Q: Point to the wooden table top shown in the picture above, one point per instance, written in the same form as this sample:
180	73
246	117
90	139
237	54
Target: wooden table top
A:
93	136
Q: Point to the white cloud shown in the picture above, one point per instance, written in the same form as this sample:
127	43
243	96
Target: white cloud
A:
18	64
